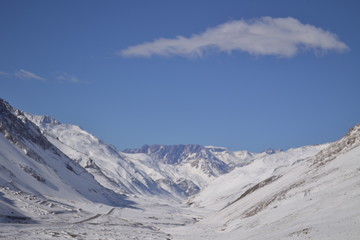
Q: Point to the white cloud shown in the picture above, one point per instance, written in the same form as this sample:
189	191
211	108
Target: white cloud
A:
67	78
23	74
3	73
283	37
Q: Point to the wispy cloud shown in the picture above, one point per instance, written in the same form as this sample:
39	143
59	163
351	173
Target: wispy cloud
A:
23	74
67	78
283	37
3	73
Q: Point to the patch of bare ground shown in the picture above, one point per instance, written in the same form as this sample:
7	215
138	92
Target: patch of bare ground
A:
275	197
254	188
301	232
348	142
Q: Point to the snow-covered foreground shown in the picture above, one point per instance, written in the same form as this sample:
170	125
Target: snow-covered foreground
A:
147	219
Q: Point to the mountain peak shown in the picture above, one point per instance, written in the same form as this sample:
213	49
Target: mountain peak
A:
171	154
193	155
5	106
216	149
272	151
42	120
348	142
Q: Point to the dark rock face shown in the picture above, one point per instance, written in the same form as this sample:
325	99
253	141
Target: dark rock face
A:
188	187
18	129
272	151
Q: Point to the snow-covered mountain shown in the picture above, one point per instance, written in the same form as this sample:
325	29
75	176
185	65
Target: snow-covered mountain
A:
314	197
30	164
193	165
129	173
53	173
196	155
210	160
109	166
262	167
175	171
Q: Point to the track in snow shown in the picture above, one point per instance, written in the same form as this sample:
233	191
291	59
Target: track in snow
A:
96	216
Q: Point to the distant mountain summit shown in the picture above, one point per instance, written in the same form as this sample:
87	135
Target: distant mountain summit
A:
272	151
172	154
198	156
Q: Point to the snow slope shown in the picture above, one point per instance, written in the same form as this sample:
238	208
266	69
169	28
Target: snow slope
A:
30	165
316	198
263	166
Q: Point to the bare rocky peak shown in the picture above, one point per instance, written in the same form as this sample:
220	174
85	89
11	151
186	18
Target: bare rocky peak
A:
348	142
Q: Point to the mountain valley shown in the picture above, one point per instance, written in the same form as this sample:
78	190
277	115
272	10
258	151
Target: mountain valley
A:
59	181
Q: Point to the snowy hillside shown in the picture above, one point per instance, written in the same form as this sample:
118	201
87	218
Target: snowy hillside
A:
109	166
30	165
58	180
314	198
262	167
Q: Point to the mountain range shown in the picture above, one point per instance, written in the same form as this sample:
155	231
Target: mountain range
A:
53	173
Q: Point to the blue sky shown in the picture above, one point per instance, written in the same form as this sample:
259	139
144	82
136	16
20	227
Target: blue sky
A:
240	74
